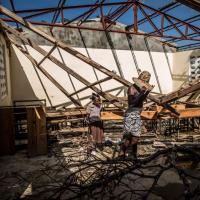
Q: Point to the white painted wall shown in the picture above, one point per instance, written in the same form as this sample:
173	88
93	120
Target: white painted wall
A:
181	65
26	84
181	68
7	100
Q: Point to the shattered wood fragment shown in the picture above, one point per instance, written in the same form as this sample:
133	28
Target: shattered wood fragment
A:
181	92
158	144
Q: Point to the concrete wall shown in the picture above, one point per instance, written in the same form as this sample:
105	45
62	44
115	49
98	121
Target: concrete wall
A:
22	80
5	98
181	65
97	39
26	79
167	67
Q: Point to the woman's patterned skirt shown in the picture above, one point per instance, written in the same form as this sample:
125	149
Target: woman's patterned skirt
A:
132	123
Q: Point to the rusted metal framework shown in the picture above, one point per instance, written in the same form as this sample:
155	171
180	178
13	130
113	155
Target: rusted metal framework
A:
141	14
160	23
47	55
191	3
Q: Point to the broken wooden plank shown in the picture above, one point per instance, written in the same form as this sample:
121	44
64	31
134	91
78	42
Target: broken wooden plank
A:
92	84
158	144
37	136
47	55
106	115
110	116
66	114
148	115
114	116
74	130
180	93
178	107
189	113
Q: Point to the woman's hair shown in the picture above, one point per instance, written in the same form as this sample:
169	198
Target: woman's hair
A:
95	97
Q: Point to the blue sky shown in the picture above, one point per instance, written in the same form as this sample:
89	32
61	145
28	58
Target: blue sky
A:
182	12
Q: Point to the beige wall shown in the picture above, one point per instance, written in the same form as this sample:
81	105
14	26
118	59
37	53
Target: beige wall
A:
26	82
181	65
180	68
7	100
23	85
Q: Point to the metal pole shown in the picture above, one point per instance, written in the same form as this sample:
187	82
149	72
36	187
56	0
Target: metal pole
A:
133	54
89	56
153	65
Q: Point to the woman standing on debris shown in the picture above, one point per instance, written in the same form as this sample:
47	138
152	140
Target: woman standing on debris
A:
137	93
95	123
